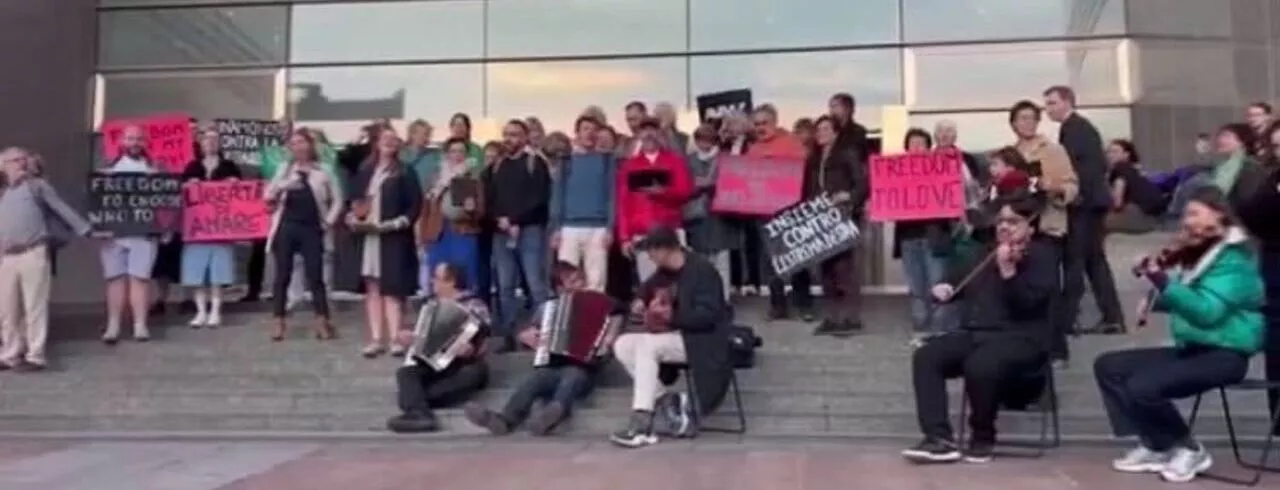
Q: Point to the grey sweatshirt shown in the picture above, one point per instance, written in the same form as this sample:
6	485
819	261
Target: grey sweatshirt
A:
23	207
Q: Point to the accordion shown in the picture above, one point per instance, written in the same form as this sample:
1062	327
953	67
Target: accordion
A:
442	328
576	326
462	188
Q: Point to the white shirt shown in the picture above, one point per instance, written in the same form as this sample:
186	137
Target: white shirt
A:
128	164
652	157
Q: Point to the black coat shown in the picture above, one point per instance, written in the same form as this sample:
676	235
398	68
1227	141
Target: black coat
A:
841	171
703	318
400	198
1016	306
1088	158
226	169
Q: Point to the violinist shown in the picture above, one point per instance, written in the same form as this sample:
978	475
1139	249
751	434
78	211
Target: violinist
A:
1004	330
1208	283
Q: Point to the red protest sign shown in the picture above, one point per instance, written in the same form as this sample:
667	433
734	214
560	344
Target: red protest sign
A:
224	211
916	186
169	139
756	186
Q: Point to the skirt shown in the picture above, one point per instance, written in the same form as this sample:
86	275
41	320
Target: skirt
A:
207	264
455	248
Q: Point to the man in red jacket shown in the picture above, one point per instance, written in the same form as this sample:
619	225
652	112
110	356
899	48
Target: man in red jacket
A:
653	187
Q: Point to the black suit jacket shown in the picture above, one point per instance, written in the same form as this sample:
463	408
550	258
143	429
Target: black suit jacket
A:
1084	145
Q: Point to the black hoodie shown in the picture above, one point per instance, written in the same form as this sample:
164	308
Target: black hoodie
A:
1018	305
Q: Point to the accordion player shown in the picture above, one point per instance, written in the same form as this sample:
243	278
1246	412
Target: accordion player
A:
442	329
576	326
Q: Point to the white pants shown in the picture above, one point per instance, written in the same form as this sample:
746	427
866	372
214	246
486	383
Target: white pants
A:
640	354
24	305
645	266
586	248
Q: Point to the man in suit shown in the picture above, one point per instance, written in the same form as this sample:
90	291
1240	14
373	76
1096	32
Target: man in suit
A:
1085	252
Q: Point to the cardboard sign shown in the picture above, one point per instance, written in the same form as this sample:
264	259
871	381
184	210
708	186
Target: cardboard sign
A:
756	187
715	106
135	204
241	140
224	211
916	186
807	233
169	140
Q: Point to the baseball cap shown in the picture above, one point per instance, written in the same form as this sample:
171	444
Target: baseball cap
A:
659	237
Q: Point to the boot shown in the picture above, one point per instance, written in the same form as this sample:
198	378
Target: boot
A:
324	329
277	333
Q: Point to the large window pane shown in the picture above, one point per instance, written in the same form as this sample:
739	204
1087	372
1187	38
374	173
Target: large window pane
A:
1182	72
195	36
388	31
997	75
204	95
951	20
520	28
799	84
764	24
982	131
557	92
359	94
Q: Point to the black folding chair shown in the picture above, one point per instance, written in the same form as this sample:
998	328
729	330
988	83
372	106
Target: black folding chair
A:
1048	408
687	373
1261	466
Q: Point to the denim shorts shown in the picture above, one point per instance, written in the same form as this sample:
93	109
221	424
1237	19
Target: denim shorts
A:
207	264
128	256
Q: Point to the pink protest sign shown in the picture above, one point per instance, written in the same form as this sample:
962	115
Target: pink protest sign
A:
224	211
169	140
916	186
755	186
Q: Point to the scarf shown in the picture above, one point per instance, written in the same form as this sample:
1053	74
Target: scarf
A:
707	155
1226	173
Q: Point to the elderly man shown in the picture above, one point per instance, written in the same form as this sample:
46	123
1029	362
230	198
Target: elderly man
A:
976	175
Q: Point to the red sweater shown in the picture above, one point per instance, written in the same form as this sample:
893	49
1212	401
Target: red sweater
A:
639	212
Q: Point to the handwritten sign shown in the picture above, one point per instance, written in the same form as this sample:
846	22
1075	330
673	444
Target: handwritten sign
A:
756	187
715	106
135	204
169	139
241	140
807	233
916	186
224	211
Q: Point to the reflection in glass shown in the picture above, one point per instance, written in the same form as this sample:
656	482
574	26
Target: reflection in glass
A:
389	31
194	36
431	92
983	131
528	28
997	75
557	92
203	95
764	24
966	20
799	84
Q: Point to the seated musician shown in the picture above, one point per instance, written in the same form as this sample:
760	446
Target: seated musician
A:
1004	297
419	386
687	321
560	383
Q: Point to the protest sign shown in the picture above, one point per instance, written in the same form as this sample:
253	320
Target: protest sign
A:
241	140
916	186
135	204
807	233
756	187
715	106
169	141
224	211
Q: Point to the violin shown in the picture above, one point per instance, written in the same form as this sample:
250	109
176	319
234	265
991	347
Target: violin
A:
658	311
1186	248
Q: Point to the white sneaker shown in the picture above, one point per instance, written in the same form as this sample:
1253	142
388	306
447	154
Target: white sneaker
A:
1185	464
214	320
1141	460
200	320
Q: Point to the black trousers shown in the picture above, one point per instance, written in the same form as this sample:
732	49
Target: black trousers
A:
257	268
989	363
563	384
1063	320
801	292
419	387
1270	266
1086	255
289	240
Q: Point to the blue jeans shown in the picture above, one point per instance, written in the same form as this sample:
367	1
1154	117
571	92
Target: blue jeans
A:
529	256
925	270
562	384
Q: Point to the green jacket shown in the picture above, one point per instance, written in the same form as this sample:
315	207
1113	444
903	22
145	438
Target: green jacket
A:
1218	301
273	158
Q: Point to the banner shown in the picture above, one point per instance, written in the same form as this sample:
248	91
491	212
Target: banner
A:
242	139
169	140
756	187
807	233
713	107
916	186
224	211
134	204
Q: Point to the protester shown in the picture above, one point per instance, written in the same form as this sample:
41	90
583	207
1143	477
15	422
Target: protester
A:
537	132
1235	171
852	136
708	233
419	153
208	267
924	246
837	173
676	140
460	128
1259	118
803	130
744	254
452	220
1135	200
635	113
774	143
652	188
1259	213
127	261
584	214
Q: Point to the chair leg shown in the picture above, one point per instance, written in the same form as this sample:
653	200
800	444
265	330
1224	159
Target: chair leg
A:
1259	467
1195	410
741	427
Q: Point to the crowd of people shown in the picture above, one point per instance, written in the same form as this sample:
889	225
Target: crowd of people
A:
505	227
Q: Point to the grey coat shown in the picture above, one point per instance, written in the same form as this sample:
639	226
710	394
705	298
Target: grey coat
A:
707	233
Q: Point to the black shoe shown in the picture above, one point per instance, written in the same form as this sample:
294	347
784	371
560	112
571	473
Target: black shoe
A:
411	423
826	327
639	432
1105	328
28	367
933	450
157	309
546	418
777	313
979	452
486	419
845	328
250	297
807	316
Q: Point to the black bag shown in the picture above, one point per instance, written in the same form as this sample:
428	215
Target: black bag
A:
743	343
